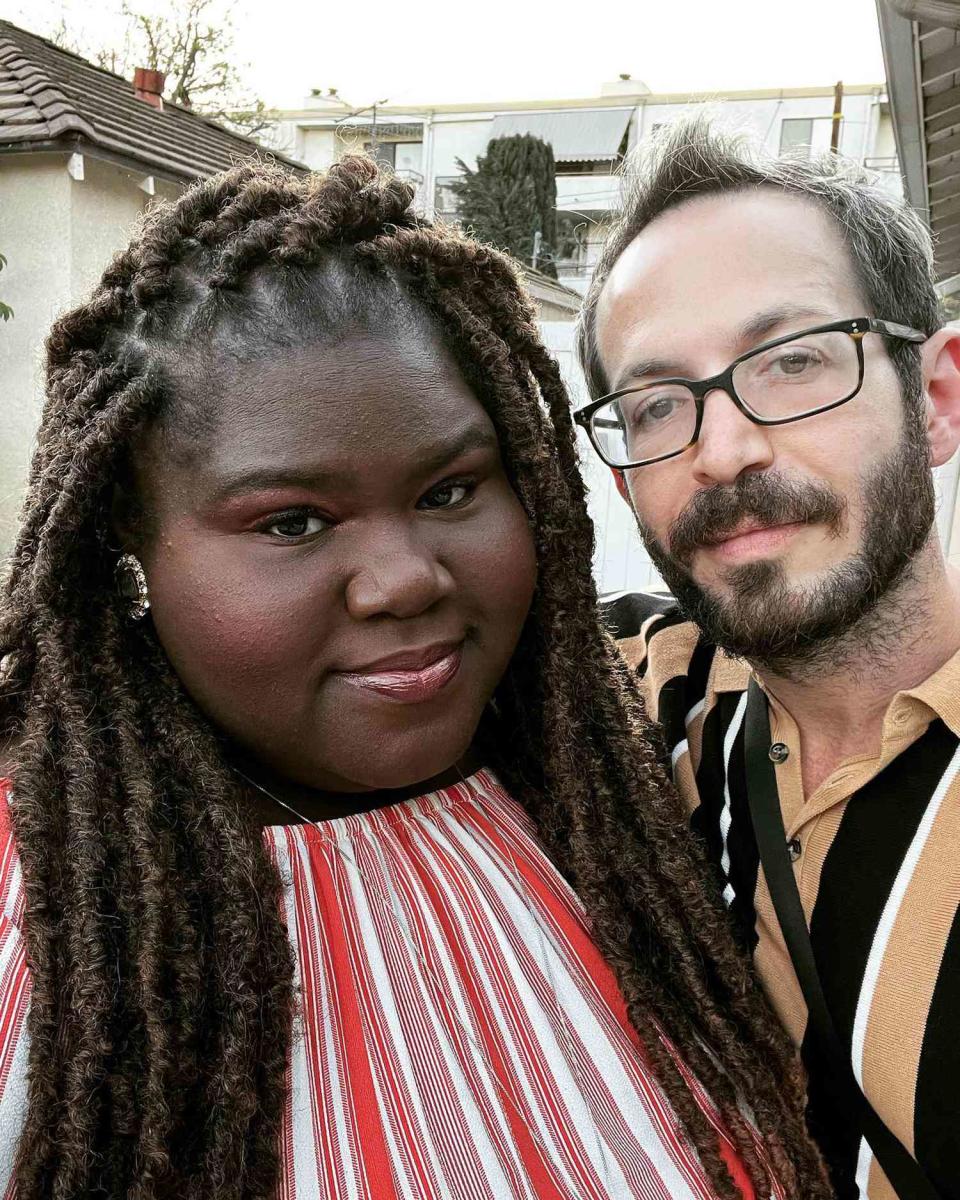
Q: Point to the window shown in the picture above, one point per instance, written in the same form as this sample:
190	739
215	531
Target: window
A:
408	156
444	200
796	133
605	166
403	156
570	255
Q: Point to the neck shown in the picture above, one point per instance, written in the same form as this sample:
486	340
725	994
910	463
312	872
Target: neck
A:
840	702
269	793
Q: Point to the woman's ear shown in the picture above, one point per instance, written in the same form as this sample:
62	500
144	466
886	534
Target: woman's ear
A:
940	364
125	522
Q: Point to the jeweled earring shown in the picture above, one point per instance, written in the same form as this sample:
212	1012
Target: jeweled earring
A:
132	586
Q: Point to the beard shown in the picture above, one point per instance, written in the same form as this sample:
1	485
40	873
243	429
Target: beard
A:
793	630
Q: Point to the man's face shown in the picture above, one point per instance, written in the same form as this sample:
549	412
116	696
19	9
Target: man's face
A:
775	539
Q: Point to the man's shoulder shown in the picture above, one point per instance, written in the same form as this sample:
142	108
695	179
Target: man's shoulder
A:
625	613
653	633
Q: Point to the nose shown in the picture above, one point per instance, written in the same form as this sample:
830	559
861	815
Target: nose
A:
398	575
729	443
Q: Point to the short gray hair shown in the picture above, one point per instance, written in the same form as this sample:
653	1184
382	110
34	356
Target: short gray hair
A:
890	248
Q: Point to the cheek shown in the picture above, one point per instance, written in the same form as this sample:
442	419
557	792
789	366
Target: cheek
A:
232	626
498	564
658	495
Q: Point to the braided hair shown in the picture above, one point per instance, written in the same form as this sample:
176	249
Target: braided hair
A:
162	1005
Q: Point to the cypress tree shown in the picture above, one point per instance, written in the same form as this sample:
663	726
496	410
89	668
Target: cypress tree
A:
511	196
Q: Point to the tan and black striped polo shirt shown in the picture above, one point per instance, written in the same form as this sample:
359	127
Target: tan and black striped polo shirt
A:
877	859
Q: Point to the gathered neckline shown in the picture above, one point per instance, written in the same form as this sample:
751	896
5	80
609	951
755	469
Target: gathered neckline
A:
389	816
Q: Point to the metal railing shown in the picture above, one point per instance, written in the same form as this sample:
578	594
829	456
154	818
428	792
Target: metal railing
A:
887	162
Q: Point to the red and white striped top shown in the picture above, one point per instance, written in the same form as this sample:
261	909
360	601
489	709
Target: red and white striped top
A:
459	1035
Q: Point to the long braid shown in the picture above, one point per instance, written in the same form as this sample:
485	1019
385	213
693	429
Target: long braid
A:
160	962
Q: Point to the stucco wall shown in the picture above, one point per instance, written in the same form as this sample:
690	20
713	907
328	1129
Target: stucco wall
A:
57	234
317	148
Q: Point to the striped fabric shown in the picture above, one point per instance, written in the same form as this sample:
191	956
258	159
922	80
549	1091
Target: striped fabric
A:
877	863
459	1036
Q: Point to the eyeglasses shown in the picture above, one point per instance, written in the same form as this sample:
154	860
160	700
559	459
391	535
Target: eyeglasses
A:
785	380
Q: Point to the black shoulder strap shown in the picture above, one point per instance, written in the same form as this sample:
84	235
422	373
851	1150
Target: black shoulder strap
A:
905	1175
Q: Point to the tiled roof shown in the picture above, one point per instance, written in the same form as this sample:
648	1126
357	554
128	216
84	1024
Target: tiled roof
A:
50	95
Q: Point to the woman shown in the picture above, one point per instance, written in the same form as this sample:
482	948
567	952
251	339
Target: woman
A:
295	839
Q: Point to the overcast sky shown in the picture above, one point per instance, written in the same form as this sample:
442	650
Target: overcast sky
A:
503	49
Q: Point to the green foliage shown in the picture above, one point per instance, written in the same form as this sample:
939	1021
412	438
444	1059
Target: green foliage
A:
6	312
511	196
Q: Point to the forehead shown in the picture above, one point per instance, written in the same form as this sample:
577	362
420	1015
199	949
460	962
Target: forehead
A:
689	281
351	402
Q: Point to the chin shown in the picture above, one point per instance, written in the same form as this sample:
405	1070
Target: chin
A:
394	769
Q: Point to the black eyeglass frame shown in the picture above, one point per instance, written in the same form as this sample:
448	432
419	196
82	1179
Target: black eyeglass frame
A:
855	327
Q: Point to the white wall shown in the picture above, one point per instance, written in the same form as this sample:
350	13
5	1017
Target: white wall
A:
58	234
620	562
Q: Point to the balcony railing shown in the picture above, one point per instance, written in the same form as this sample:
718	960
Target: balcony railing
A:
415	179
883	162
571	269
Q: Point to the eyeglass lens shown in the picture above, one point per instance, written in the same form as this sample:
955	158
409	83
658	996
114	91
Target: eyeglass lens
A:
810	372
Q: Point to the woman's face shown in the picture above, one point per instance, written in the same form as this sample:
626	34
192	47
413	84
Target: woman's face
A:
339	571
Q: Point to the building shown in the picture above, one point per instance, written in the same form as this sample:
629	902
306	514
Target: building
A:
590	138
82	154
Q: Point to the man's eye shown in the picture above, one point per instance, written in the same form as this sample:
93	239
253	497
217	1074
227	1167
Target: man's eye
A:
658	408
796	362
296	525
653	408
446	495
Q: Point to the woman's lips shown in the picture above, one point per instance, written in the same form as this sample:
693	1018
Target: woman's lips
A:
409	684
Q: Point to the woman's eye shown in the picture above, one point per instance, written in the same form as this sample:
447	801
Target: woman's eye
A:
446	495
296	525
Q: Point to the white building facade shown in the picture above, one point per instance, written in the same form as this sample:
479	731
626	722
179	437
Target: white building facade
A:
590	138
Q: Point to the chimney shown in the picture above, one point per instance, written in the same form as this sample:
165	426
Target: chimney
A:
625	85
149	85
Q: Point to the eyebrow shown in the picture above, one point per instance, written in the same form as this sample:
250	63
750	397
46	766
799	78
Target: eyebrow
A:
752	331
475	437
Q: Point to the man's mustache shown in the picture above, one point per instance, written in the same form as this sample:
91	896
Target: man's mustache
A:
765	497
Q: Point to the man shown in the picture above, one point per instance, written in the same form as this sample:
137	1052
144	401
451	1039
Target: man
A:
789	505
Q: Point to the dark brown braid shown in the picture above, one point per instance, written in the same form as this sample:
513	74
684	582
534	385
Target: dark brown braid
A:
162	1008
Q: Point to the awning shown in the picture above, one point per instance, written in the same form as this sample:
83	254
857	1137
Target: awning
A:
590	135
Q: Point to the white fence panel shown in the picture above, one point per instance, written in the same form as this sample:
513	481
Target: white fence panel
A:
620	562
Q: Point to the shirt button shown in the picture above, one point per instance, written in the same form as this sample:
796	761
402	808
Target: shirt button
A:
794	848
779	752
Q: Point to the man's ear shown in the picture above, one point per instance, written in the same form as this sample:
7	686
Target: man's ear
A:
940	363
620	479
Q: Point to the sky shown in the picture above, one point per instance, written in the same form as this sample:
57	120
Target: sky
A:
485	50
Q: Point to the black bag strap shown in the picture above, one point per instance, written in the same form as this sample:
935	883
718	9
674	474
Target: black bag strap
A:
904	1173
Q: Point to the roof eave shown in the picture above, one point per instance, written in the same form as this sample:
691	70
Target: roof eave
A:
903	88
82	145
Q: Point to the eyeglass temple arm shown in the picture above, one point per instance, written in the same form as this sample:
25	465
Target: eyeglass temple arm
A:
892	329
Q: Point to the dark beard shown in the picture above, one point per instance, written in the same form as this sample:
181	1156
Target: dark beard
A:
791	632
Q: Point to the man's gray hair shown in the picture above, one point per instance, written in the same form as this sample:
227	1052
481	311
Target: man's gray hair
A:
889	246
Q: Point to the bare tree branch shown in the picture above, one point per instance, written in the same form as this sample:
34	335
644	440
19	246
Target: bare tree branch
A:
192	43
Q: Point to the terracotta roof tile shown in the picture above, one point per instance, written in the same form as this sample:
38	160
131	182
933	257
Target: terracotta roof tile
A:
49	94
